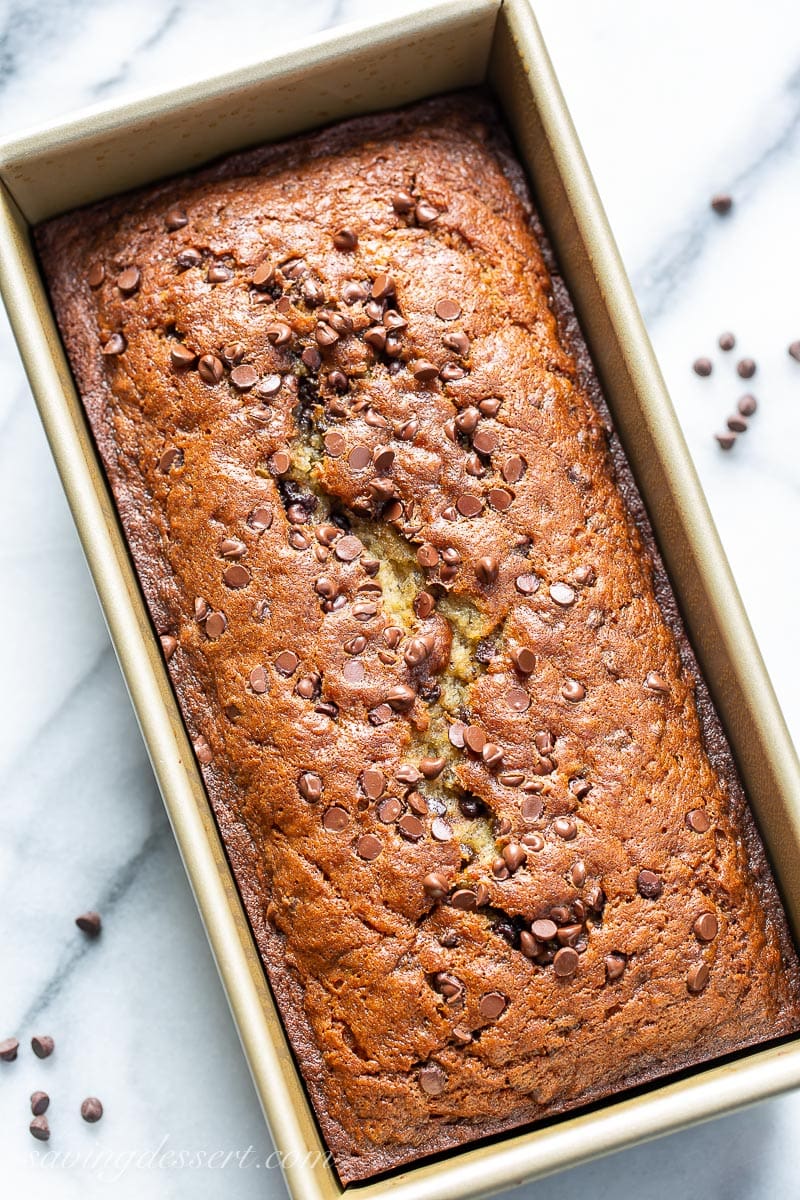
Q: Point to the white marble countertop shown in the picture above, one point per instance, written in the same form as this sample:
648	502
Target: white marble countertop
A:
673	102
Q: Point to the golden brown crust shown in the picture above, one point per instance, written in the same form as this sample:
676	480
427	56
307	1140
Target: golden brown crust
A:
459	955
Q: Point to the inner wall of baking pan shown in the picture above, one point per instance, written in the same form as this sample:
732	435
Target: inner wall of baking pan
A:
653	443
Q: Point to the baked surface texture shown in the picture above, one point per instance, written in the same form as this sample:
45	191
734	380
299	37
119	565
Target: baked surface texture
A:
485	823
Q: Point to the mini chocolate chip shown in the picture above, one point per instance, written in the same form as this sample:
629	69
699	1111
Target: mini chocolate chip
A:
794	351
128	281
469	505
286	662
424	371
474	738
514	856
726	341
447	309
279	333
42	1046
401	697
8	1049
348	549
464	899
244	377
487	569
260	518
345	239
562	594
615	966
425	213
172	457
524	660
656	683
40	1129
697	979
310	786
747	405
215	625
435	885
698	820
492	1005
262	276
531	808
573	691
176	218
402	202
218	273
518	699
725	440
335	819
279	462
526	584
457	341
565	828
188	258
432	1080
203	751
210	369
96	275
565	962
373	781
706	927
359	458
258	680
40	1102
737	424
702	367
236	576
382	287
116	344
432	768
649	885
91	1109
411	827
441	831
369	846
89	923
746	368
181	357
722	203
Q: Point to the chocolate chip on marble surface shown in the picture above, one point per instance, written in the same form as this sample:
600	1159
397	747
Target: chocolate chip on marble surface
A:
706	927
40	1102
96	275
737	423
722	203
128	280
746	368
115	345
702	367
573	691
649	885
794	351
698	977
8	1049
725	440
91	1109
726	341
42	1045
40	1128
369	847
89	923
747	405
176	218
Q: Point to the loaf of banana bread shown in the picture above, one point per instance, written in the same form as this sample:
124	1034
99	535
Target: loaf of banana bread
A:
482	815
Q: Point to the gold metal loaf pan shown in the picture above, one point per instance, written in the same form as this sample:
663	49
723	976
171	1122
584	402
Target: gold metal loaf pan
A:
445	46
